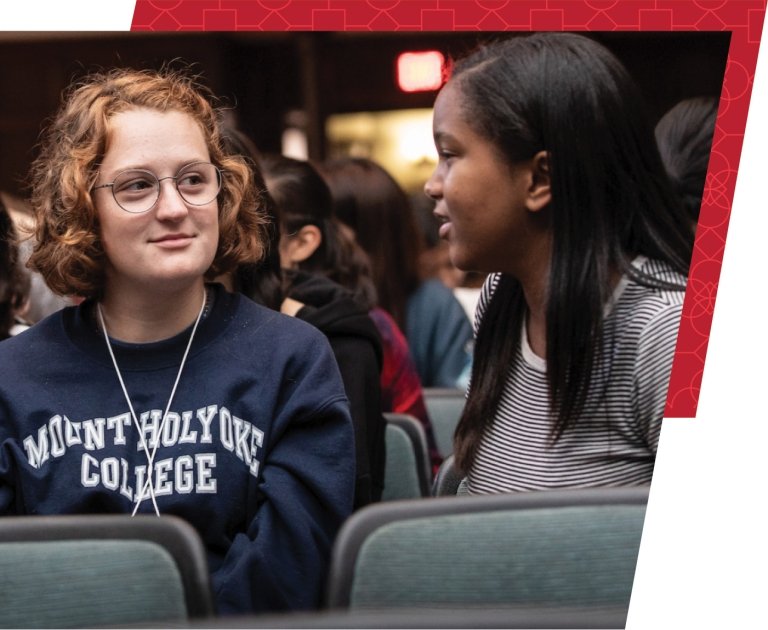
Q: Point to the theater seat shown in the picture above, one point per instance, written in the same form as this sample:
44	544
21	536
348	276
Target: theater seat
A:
407	474
444	406
569	550
99	570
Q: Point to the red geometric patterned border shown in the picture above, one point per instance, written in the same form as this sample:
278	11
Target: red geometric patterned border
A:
743	18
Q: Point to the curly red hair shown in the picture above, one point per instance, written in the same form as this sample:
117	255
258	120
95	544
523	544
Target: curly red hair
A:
69	252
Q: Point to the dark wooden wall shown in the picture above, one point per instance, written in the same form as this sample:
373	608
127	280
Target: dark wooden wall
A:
264	75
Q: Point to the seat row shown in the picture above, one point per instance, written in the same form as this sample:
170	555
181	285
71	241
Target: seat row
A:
407	472
558	559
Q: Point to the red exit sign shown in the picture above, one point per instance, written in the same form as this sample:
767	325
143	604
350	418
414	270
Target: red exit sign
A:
420	71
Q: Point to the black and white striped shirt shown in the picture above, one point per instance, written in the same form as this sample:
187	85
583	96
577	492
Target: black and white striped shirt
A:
614	445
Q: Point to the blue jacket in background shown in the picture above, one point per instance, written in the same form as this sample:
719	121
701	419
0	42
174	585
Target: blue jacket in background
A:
439	335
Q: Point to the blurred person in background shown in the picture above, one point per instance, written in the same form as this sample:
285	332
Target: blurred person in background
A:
14	282
314	242
311	295
375	207
684	136
41	300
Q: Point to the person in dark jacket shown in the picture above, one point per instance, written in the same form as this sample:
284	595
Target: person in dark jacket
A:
329	307
356	345
313	240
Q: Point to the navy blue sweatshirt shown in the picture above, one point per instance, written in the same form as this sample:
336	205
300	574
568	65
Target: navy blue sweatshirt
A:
257	452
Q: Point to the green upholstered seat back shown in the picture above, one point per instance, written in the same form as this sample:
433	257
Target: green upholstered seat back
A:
401	478
562	556
444	407
77	583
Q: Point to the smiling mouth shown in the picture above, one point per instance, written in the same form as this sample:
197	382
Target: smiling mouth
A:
445	225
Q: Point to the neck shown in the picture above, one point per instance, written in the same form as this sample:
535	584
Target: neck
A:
536	318
151	317
535	289
534	280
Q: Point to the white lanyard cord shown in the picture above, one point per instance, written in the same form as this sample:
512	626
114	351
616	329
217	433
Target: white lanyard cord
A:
150	457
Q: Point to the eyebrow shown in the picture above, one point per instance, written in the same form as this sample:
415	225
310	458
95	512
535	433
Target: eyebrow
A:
136	167
442	135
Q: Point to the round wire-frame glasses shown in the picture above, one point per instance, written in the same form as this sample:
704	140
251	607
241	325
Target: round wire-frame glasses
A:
137	190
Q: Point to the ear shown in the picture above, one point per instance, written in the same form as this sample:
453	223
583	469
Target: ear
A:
300	246
539	190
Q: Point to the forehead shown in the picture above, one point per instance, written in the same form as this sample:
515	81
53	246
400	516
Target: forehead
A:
137	118
452	120
139	134
450	107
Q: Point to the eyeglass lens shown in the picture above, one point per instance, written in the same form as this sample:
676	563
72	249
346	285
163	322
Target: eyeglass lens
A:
138	190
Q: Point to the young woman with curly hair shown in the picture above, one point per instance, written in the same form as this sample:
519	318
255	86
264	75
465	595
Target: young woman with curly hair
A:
162	393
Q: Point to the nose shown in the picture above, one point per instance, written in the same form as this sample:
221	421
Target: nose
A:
433	187
170	204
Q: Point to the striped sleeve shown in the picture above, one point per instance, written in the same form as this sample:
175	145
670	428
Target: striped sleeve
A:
655	353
